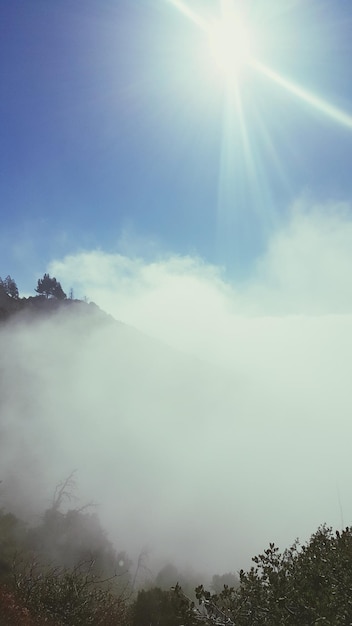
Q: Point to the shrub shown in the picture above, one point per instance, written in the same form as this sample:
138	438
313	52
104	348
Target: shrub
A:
67	597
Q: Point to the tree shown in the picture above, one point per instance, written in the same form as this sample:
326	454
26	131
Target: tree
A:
157	607
219	581
167	577
309	584
48	286
12	533
59	596
76	536
10	287
63	571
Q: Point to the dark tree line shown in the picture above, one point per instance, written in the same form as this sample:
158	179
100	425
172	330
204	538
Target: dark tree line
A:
302	586
48	286
8	285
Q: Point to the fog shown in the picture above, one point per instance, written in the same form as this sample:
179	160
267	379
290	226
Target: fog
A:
214	419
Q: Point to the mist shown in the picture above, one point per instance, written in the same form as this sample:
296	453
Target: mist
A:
213	419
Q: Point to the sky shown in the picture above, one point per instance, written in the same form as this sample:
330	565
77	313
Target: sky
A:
213	423
116	125
207	205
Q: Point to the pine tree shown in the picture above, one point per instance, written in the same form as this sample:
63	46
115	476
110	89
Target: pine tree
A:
48	286
10	287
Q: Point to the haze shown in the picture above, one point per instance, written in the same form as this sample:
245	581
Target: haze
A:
214	420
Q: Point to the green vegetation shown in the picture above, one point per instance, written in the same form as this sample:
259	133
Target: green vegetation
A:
8	286
169	608
304	585
48	286
65	571
68	596
49	297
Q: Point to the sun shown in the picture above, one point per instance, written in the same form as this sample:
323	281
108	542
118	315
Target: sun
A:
230	43
230	57
234	42
228	39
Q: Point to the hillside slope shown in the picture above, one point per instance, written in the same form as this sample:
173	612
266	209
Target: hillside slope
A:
142	424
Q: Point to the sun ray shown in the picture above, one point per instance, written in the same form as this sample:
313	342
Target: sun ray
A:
245	193
229	40
192	15
317	103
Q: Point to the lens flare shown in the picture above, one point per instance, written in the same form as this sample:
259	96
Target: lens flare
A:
314	101
190	14
236	41
230	44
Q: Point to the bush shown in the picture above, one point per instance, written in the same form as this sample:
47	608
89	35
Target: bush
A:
167	608
67	597
12	537
302	586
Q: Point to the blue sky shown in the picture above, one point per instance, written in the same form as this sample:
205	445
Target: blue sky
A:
209	211
112	127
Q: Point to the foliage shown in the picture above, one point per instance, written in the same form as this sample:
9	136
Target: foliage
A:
156	607
67	597
76	536
75	577
63	571
38	592
9	287
12	533
303	585
12	611
167	577
219	581
48	286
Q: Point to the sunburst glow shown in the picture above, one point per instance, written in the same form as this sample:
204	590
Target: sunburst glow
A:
237	41
190	14
303	94
230	42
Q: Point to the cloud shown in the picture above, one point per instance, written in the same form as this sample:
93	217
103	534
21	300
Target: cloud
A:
183	300
306	267
225	423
